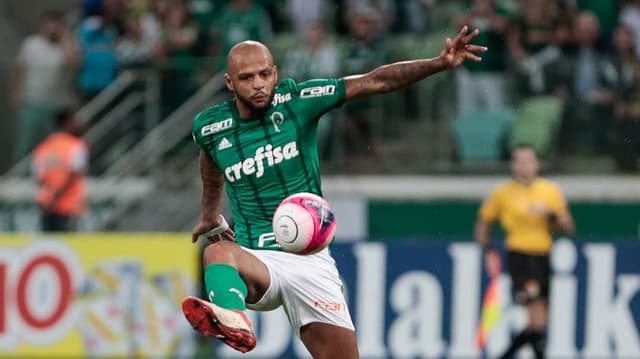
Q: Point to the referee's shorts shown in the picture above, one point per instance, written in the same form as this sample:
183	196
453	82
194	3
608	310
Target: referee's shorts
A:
530	275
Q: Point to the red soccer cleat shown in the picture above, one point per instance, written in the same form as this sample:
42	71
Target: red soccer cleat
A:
231	326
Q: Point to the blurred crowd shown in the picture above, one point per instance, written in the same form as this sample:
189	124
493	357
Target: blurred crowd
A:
584	52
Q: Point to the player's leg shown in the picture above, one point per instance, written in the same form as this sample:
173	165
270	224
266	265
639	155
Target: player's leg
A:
326	341
232	277
315	304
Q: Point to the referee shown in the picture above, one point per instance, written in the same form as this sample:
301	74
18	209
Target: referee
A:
529	209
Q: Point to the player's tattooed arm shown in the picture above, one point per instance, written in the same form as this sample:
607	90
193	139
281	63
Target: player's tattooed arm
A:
211	203
212	186
392	77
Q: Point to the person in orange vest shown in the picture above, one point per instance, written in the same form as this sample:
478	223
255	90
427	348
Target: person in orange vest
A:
60	164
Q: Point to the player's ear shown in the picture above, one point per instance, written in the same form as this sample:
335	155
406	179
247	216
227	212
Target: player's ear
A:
228	82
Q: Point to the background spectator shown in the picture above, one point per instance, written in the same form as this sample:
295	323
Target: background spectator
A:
625	75
590	100
531	44
366	51
305	12
97	40
133	48
152	21
481	85
43	67
240	20
630	17
60	163
179	37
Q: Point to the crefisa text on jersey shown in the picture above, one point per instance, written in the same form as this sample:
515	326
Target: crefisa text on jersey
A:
281	98
255	165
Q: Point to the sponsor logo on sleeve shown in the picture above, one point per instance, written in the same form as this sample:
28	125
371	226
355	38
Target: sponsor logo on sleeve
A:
216	127
318	91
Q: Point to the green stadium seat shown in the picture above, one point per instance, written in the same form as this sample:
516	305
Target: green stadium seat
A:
537	122
480	135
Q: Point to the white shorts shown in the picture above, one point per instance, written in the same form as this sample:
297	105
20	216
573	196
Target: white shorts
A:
307	286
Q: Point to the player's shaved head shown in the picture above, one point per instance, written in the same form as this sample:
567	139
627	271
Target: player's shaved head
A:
245	52
251	76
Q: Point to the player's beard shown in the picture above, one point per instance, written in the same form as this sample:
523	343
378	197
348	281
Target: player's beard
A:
256	110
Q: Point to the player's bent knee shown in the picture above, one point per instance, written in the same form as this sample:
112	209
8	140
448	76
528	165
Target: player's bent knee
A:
221	252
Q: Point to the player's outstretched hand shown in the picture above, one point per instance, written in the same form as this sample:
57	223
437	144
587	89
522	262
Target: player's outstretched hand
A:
459	49
212	230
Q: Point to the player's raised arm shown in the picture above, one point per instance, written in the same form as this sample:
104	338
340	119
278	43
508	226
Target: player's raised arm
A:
391	77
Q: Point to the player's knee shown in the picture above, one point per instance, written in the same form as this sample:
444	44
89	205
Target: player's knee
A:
220	252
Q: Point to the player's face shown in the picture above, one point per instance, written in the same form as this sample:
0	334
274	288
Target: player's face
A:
252	79
524	164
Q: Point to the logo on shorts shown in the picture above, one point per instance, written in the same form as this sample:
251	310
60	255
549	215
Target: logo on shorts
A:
332	306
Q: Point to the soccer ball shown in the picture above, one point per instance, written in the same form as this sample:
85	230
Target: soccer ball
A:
303	223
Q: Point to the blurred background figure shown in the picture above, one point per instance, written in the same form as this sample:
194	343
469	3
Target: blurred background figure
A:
44	66
237	21
532	40
366	50
624	76
306	12
317	57
133	49
60	164
481	85
531	209
151	21
417	12
97	38
177	48
630	17
590	98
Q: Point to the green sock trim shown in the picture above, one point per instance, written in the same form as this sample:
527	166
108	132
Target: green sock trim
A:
224	286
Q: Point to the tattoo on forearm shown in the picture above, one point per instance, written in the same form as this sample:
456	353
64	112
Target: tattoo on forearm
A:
394	76
402	74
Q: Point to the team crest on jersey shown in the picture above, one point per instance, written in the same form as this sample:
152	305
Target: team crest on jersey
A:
277	118
281	98
216	127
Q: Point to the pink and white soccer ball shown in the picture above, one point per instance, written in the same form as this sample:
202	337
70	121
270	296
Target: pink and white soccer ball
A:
303	223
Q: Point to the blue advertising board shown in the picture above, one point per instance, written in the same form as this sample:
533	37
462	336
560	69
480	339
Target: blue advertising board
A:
422	299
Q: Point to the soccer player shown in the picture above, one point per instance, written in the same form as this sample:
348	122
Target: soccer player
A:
261	146
530	209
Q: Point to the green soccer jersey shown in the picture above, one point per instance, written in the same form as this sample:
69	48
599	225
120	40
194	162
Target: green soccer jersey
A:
266	159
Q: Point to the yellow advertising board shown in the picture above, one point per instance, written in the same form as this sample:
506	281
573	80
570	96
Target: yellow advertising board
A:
96	295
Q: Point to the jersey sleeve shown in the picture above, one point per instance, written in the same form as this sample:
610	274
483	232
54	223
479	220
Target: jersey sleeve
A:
490	208
196	129
315	97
